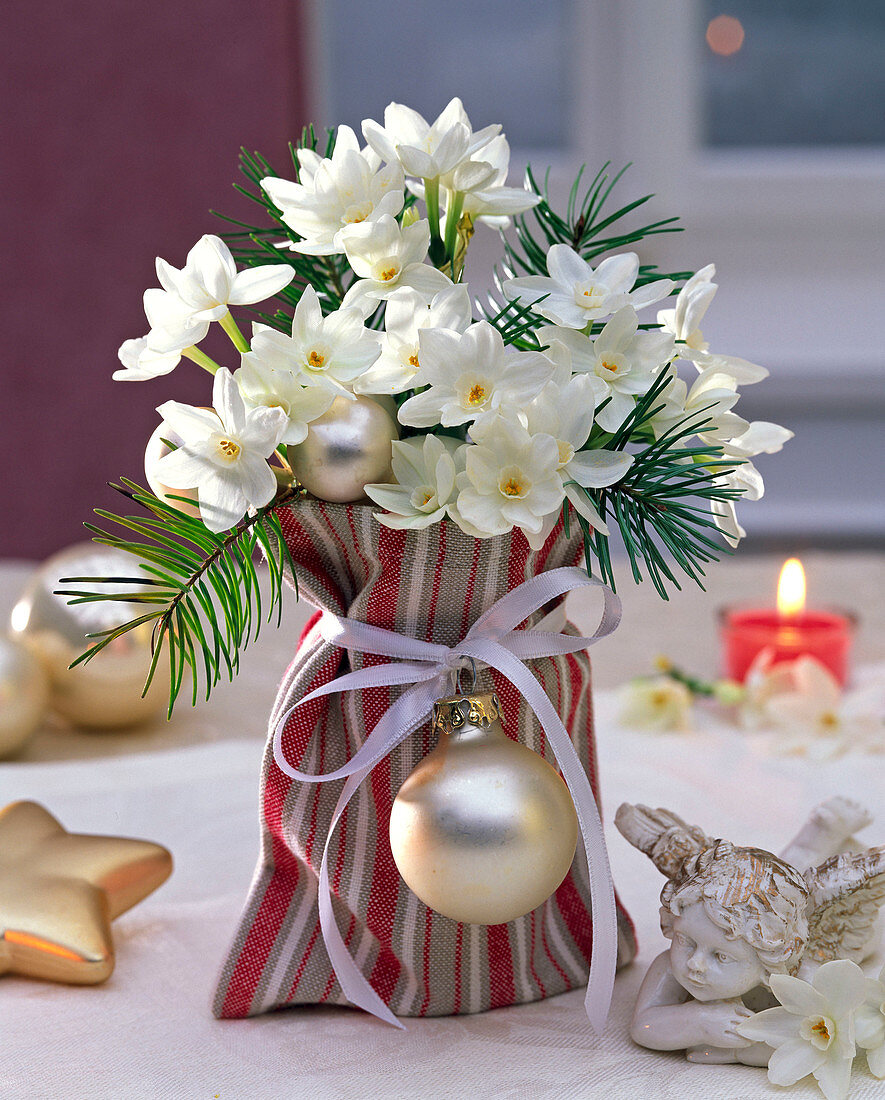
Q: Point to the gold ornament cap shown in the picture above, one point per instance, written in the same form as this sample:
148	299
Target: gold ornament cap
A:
457	712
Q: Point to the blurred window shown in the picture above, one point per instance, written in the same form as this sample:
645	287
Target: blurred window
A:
506	59
793	72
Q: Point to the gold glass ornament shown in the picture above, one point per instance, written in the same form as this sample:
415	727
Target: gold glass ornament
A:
59	892
483	830
346	449
105	692
153	452
24	694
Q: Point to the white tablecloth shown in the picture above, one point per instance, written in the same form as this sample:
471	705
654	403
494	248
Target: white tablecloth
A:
148	1032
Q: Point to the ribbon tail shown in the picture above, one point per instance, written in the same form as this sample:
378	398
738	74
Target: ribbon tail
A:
353	982
603	961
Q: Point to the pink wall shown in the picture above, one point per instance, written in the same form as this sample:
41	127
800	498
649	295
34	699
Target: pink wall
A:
120	129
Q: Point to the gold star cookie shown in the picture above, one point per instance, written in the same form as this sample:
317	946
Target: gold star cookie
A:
59	892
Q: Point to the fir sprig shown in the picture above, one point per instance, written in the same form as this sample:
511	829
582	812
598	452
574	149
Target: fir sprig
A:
201	588
585	227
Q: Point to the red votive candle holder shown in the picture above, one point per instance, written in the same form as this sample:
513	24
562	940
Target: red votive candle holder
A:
824	635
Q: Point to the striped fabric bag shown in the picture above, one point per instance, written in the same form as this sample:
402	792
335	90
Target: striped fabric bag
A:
431	584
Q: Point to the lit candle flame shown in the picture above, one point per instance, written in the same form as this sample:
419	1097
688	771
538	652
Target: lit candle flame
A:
791	589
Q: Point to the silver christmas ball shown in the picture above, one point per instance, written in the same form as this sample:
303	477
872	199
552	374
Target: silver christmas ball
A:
483	830
346	449
105	692
24	694
154	451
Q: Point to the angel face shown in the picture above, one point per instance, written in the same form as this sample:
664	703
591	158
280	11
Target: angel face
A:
706	963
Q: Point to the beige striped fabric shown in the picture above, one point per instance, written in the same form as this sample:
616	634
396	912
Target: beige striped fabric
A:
430	584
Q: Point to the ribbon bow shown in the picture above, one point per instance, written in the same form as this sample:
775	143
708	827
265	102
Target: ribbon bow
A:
494	640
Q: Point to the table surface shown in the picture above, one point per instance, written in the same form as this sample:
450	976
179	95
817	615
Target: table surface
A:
191	784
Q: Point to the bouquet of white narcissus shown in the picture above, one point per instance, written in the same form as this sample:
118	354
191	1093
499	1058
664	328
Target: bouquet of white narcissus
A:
376	375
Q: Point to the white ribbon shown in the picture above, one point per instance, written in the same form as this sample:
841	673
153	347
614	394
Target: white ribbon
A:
429	668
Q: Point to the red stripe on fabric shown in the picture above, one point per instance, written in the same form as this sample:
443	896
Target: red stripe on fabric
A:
302	966
351	925
428	927
308	626
385	884
324	996
552	957
356	542
318	793
459	953
262	933
538	981
501	988
577	917
471	585
271	912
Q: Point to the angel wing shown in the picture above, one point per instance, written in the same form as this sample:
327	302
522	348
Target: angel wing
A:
663	836
847	892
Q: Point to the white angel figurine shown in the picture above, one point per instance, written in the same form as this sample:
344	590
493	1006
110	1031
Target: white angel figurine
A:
736	915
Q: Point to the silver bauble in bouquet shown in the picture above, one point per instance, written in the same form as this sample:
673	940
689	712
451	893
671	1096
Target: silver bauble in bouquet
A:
24	694
153	452
346	449
484	829
105	692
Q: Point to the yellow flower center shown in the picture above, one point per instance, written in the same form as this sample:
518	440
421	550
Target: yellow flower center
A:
512	487
829	720
613	367
315	361
477	394
387	274
228	448
413	359
821	1030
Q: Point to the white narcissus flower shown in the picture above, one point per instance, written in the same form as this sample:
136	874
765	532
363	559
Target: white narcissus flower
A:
748	480
577	294
387	256
426	150
345	189
806	703
684	321
425	472
708	403
326	352
223	454
659	704
482	182
141	362
511	480
263	387
814	1031
470	374
870	1025
209	282
621	362
566	412
761	437
407	312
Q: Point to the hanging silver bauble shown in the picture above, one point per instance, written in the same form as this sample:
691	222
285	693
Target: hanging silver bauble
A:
346	449
154	451
24	694
106	691
483	830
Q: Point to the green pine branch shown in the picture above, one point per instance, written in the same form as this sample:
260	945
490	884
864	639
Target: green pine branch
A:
200	590
661	506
